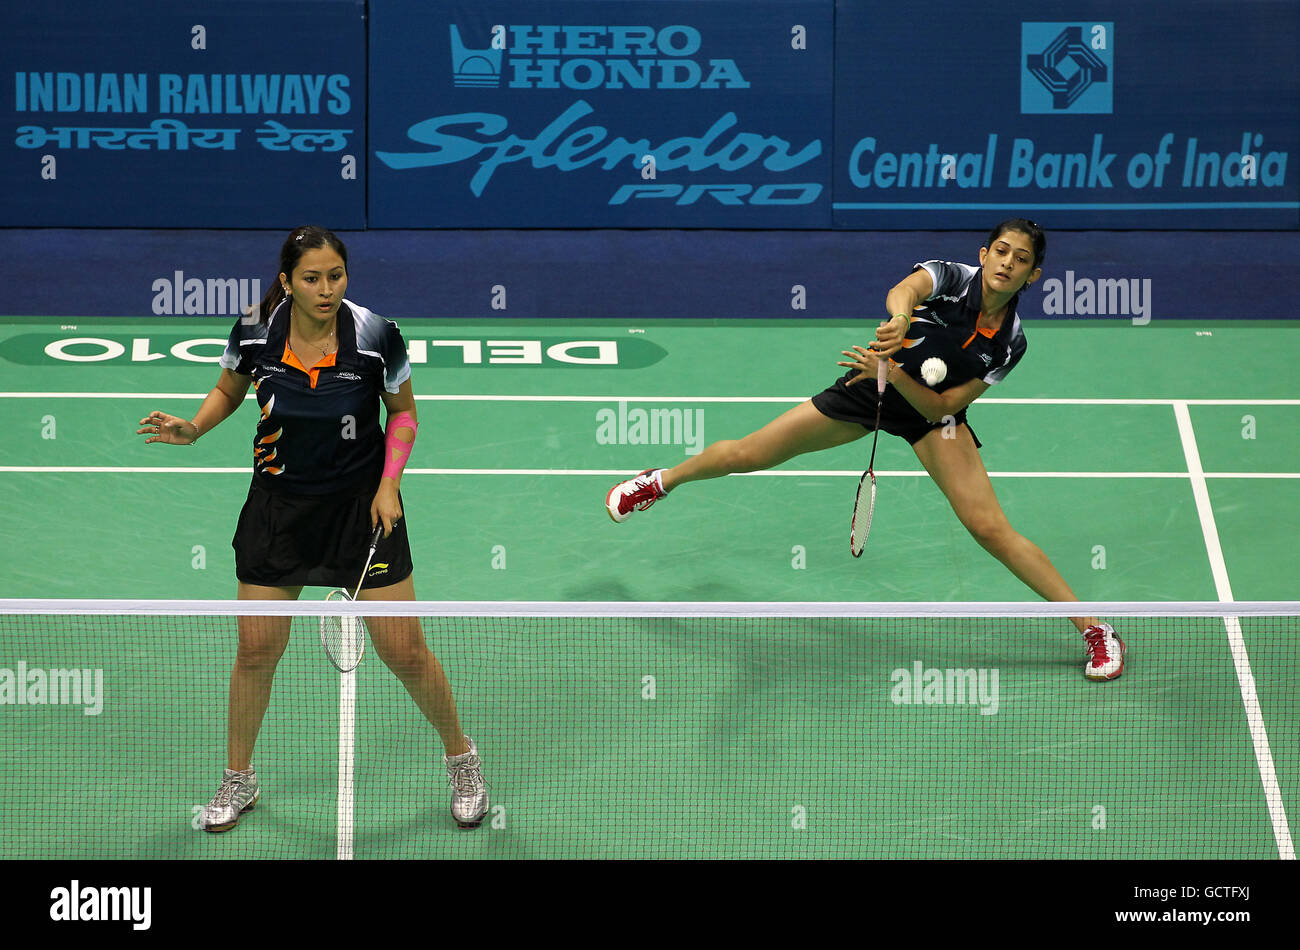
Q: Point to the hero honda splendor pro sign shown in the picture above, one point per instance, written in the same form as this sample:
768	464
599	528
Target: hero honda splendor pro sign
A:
668	114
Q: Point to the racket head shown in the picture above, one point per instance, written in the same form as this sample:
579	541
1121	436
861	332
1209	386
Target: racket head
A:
864	507
342	636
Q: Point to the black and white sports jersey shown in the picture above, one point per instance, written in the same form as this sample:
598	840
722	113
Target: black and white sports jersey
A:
945	325
320	430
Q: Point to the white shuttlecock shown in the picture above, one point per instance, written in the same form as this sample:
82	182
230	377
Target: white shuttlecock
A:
933	371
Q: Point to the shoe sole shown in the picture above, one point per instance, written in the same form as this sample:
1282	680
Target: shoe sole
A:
609	509
1123	658
218	829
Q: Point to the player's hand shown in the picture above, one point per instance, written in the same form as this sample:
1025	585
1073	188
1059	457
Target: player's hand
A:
864	359
889	336
160	427
386	507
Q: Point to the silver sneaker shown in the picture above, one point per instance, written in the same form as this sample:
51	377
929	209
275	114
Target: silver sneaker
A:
469	798
238	793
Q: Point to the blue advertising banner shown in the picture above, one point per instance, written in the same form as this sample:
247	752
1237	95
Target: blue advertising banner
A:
215	113
538	113
1086	114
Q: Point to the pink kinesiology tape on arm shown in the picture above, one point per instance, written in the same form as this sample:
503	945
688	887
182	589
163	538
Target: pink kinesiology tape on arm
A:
396	452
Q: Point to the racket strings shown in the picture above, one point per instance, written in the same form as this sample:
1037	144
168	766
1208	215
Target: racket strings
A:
344	635
860	526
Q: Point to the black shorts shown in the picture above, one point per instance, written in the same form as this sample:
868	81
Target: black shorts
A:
857	403
315	541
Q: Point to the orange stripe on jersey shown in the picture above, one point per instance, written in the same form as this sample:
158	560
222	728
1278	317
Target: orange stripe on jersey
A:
290	358
982	331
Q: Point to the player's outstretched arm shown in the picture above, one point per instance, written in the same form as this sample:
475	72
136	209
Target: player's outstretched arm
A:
906	295
224	399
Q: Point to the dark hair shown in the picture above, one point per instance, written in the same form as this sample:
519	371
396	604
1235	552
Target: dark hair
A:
309	237
1026	227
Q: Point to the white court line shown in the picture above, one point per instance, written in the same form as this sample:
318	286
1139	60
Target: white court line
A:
615	472
717	399
1236	642
347	742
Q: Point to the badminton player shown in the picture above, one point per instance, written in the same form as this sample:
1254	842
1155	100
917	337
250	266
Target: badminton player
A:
955	315
325	474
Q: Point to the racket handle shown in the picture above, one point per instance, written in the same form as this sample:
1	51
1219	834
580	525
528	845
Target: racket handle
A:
882	369
374	543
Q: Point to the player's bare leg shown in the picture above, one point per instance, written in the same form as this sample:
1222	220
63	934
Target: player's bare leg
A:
798	431
956	467
399	642
261	644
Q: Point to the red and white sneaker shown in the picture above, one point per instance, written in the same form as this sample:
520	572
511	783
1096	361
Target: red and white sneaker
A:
1105	652
635	494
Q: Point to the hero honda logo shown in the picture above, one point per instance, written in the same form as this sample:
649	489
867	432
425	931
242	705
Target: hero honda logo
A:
610	58
590	57
1067	68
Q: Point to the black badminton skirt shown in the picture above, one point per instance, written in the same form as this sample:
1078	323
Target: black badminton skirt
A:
315	541
857	403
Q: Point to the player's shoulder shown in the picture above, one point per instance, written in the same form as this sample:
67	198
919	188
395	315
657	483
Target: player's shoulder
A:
250	329
957	269
948	277
373	331
960	266
247	342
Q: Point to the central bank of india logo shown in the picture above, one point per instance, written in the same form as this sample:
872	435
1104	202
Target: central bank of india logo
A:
475	68
1067	67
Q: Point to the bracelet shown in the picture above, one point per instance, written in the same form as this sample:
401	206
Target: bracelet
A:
905	317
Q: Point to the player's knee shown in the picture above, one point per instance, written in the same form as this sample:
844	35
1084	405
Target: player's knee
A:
405	657
992	533
259	654
744	456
